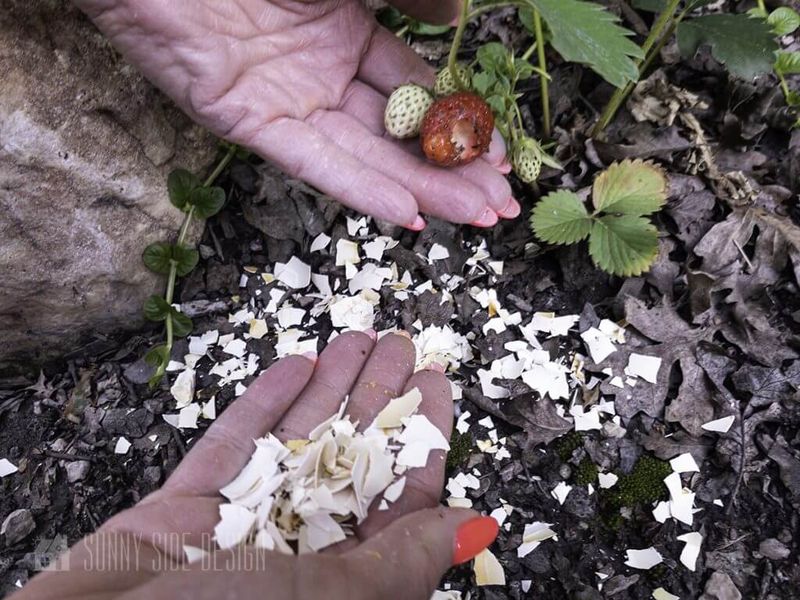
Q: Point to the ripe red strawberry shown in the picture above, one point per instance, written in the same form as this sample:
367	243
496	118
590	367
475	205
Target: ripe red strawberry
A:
457	129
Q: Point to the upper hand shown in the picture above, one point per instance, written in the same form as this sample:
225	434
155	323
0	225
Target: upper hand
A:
304	84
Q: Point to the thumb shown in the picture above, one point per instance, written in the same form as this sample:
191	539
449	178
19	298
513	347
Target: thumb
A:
413	553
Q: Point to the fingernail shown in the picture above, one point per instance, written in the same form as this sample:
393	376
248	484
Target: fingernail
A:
418	224
487	219
312	356
512	209
435	366
504	167
403	333
373	335
474	536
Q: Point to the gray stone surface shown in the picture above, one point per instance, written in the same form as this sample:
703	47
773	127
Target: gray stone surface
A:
85	147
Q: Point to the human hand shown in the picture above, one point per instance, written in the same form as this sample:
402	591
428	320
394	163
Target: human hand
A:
304	84
407	547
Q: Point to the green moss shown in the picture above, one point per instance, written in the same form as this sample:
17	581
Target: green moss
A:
460	449
567	444
586	472
643	485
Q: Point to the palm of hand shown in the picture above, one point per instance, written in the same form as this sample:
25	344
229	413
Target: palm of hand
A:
303	84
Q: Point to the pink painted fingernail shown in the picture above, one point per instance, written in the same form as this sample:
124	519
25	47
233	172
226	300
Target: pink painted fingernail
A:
312	356
371	333
418	224
504	167
435	366
511	210
487	219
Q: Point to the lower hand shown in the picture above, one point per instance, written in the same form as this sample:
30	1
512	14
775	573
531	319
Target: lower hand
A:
400	552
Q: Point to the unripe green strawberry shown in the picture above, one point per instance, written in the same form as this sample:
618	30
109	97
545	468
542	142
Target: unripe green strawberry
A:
446	85
527	161
405	110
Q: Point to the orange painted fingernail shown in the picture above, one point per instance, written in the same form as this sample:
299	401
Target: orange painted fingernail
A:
474	536
418	224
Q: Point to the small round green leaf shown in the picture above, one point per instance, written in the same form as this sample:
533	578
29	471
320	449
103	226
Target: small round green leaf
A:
181	324
787	63
186	259
623	245
783	20
156	257
561	218
207	201
157	355
632	187
156	308
180	184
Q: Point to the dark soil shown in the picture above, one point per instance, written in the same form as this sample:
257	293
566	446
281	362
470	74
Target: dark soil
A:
747	365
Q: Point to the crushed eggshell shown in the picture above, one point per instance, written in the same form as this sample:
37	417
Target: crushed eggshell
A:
488	570
691	550
719	425
122	446
7	467
644	559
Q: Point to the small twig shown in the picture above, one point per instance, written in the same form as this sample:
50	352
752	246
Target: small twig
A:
65	456
744	256
732	542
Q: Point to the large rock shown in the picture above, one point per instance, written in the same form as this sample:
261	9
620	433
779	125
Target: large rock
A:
85	147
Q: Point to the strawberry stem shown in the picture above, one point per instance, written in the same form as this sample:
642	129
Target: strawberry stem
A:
452	59
543	76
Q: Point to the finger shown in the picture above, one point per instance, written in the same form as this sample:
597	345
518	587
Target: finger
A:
161	519
336	372
437	13
414	552
228	444
384	377
494	185
439	192
497	155
364	104
423	486
305	153
388	62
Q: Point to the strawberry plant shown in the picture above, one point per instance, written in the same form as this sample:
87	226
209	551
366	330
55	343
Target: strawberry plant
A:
745	45
578	30
622	240
197	200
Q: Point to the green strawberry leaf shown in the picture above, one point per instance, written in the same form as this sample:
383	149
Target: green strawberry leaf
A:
561	218
585	32
746	46
783	21
156	309
632	187
207	201
623	245
787	63
180	185
181	324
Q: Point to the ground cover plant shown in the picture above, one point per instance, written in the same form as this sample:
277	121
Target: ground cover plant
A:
625	357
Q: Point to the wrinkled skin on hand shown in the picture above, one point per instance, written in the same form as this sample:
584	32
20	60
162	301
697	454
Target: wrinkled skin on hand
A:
400	552
304	84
